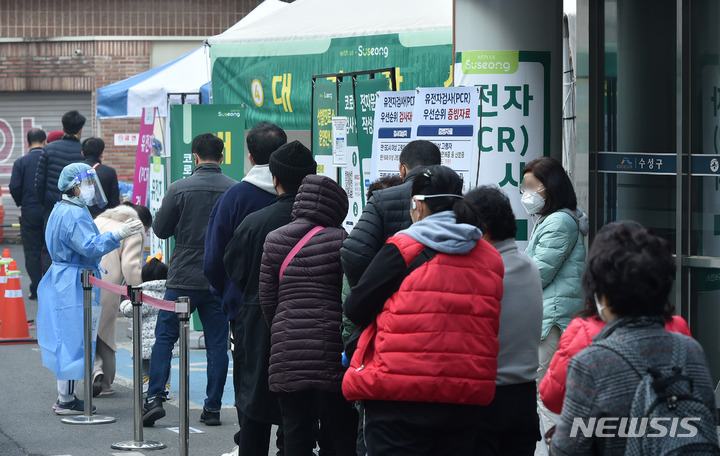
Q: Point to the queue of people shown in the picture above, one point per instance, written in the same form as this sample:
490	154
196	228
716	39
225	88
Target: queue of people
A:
425	330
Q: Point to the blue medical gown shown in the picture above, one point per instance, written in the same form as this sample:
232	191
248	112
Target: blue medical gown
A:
75	244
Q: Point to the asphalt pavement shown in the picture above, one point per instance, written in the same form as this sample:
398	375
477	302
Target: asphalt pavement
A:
29	426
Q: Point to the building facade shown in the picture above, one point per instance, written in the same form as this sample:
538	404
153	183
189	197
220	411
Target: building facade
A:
55	54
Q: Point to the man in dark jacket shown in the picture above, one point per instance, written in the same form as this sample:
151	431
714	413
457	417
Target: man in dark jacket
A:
92	151
258	406
22	189
57	155
253	193
184	214
387	212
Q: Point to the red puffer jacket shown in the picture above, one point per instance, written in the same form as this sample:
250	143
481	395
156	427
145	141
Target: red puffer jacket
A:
436	337
574	339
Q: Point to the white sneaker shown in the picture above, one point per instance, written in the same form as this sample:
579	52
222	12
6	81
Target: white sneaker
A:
234	452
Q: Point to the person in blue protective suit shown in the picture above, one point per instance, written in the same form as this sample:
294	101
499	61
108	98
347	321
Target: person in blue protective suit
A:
75	244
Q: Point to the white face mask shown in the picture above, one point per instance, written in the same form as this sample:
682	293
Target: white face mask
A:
87	193
533	202
600	308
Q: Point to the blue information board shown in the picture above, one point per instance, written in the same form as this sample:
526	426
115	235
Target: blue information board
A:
705	165
635	163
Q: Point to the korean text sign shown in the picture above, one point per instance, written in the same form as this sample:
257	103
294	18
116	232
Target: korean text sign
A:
142	158
515	116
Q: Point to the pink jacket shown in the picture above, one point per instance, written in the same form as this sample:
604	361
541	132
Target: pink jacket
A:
576	337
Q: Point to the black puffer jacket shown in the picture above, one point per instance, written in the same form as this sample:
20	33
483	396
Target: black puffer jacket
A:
387	212
57	155
303	309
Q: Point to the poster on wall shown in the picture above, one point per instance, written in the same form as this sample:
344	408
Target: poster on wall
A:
339	140
515	117
393	129
448	117
225	121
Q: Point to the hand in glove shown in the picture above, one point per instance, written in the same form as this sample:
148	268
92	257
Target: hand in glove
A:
129	228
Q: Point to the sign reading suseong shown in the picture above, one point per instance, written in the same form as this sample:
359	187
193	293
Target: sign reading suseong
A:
607	426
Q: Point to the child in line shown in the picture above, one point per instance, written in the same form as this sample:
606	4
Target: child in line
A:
153	274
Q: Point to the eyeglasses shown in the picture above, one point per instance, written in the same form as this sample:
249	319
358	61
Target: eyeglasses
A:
523	188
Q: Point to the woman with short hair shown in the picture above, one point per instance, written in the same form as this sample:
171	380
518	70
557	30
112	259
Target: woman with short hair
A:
629	274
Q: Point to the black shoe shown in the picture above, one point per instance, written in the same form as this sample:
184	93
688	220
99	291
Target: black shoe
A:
210	418
33	297
74	407
153	411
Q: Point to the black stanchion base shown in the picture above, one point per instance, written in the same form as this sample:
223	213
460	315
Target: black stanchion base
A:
133	445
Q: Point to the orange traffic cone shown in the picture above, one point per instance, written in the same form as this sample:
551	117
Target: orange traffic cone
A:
3	284
14	328
5	260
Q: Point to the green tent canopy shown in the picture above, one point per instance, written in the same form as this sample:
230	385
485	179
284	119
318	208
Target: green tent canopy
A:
268	65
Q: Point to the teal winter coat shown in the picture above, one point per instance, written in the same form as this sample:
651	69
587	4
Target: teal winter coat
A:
557	246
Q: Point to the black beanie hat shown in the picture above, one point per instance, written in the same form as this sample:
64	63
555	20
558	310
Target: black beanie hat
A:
291	162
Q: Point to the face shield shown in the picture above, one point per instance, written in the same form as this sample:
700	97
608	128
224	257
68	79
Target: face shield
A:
91	192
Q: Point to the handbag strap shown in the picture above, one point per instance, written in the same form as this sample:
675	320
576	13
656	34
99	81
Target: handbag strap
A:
297	248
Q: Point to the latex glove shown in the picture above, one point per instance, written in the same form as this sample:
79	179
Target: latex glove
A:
129	228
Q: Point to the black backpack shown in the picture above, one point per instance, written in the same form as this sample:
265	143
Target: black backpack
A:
666	397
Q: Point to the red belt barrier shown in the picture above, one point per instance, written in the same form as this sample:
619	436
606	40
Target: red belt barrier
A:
111	287
122	291
159	303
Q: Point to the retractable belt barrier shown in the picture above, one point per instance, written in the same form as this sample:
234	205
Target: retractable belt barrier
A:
125	293
182	308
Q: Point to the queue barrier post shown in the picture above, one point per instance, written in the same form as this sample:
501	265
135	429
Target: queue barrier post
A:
134	293
88	417
182	309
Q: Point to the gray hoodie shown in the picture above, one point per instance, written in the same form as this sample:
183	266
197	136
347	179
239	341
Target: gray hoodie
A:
440	232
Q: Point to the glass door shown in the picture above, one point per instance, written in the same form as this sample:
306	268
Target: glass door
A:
655	139
701	264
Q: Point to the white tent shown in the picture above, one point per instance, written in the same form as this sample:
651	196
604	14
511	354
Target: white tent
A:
186	74
319	19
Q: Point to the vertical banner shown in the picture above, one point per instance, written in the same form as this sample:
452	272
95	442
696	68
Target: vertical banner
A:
155	197
366	92
324	109
351	177
393	129
142	157
448	116
225	121
515	116
343	115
